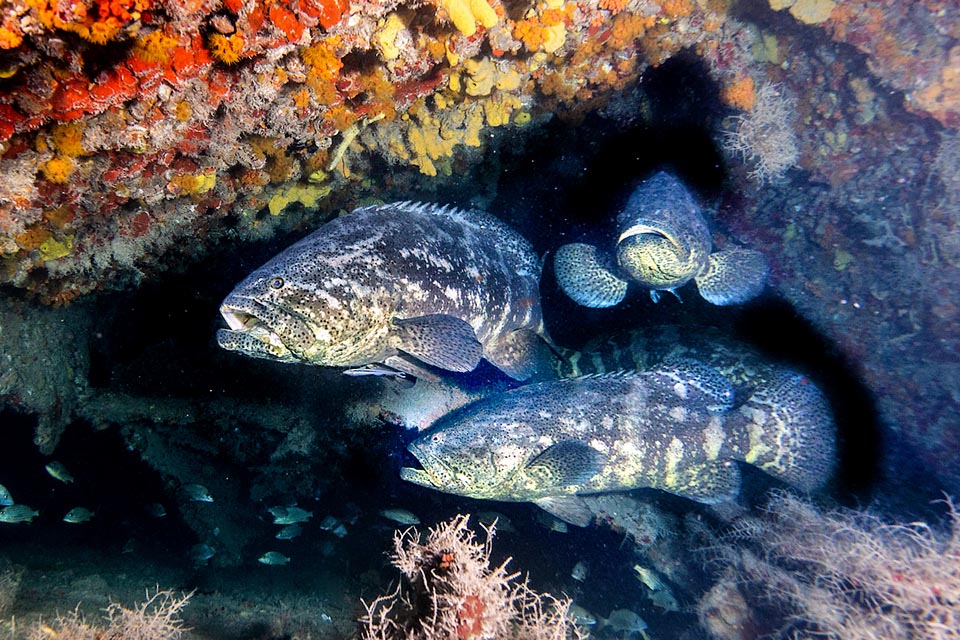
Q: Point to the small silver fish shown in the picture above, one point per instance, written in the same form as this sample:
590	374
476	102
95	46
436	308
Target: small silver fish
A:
279	510
389	289
648	577
273	557
580	571
551	522
400	516
581	616
78	515
290	515
289	532
59	472
625	621
664	599
329	523
200	553
17	513
196	493
6	499
495	518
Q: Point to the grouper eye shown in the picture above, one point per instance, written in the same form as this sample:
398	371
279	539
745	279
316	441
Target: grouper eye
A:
276	283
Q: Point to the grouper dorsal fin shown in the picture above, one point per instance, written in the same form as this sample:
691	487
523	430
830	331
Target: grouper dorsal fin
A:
695	382
564	464
440	340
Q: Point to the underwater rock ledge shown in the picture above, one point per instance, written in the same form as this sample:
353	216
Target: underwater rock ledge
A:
137	132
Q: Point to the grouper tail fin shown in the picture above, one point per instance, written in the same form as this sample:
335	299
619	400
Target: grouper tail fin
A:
790	429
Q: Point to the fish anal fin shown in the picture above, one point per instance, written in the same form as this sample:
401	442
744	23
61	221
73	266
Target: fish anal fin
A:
440	340
567	508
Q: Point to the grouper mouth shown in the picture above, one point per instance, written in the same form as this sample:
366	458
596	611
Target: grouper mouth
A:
249	333
418	474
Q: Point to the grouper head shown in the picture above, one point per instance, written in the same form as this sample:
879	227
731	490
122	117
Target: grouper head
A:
490	450
282	312
459	459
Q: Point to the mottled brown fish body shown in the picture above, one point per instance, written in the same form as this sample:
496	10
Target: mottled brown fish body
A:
662	243
671	429
386	281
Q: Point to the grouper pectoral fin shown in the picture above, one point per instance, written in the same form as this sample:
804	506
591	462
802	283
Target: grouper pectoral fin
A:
522	354
733	276
586	276
709	483
440	340
568	508
567	463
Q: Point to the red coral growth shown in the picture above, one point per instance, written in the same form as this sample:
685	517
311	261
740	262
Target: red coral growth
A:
123	10
470	617
327	12
286	22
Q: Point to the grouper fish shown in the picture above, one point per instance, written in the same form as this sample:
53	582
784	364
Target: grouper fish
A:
663	242
388	289
673	428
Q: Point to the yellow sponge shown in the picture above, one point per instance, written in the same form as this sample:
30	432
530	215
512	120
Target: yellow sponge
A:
465	14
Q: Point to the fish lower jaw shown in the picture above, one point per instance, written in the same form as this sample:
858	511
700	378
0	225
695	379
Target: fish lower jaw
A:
417	476
249	325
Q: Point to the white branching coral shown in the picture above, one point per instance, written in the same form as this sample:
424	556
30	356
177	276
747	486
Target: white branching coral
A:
156	618
848	574
764	138
452	592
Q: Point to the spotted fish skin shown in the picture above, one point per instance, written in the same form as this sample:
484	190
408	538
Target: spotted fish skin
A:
384	283
667	429
745	369
663	242
653	347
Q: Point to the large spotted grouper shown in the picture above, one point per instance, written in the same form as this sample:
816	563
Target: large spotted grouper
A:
420	405
672	428
662	243
388	289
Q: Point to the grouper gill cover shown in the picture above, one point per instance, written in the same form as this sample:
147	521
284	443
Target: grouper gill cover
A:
388	289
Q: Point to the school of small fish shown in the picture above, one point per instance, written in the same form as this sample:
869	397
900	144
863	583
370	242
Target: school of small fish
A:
417	291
